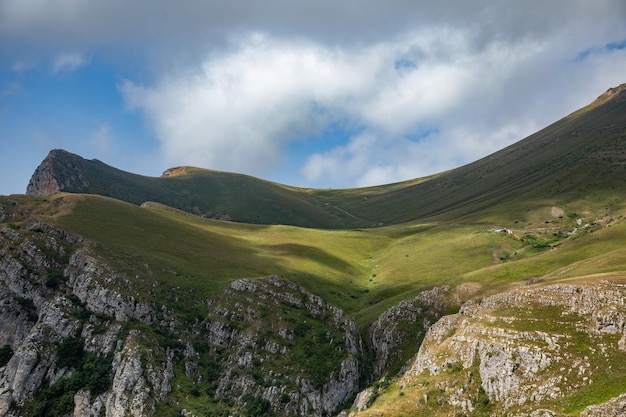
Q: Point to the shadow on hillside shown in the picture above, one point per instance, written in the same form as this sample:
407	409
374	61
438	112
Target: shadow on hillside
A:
312	253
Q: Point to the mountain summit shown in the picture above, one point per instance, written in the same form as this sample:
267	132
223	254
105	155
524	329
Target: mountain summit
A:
59	171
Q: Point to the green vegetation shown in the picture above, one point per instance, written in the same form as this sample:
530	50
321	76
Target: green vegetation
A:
577	162
180	259
5	355
91	372
257	407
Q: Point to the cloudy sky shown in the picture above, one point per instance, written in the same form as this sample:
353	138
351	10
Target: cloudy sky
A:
308	93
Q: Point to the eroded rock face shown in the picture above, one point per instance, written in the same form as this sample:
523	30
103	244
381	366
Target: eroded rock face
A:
89	277
281	344
57	172
43	182
525	347
40	311
397	334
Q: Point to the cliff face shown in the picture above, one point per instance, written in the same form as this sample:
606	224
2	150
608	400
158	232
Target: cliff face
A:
398	332
281	346
46	179
518	351
65	355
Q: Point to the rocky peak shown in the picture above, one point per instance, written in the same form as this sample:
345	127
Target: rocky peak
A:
59	171
617	94
174	172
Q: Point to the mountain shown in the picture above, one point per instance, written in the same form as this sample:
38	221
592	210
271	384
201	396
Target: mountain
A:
493	289
583	153
203	192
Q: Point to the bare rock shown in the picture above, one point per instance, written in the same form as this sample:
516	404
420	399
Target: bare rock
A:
59	171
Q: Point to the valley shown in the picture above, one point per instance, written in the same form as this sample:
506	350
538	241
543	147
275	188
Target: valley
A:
496	288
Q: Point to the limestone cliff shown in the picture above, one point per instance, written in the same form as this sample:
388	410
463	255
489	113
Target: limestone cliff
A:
524	350
59	171
66	355
282	346
397	334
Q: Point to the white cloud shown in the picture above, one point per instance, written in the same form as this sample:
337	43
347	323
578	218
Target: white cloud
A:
102	139
424	102
418	87
239	109
67	63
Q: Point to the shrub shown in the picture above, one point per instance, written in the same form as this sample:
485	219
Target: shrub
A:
5	355
70	352
257	407
92	373
55	278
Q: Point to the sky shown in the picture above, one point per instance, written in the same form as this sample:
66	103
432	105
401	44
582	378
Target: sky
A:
306	93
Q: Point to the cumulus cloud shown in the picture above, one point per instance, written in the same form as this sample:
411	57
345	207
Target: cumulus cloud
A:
67	62
102	139
423	102
238	109
409	87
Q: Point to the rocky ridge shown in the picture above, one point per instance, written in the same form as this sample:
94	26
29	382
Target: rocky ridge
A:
46	180
514	351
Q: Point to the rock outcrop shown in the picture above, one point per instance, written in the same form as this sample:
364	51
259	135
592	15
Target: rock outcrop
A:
43	319
59	171
282	346
523	348
397	333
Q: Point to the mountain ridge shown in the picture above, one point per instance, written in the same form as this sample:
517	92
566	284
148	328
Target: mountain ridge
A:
580	152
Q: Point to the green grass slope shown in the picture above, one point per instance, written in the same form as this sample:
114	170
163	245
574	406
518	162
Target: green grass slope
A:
361	271
578	162
203	192
580	157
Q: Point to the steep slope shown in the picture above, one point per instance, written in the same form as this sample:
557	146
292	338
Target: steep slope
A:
581	155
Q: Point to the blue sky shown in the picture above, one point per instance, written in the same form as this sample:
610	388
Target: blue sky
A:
316	94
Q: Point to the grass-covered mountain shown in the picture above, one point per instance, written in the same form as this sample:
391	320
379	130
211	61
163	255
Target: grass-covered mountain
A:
516	263
581	155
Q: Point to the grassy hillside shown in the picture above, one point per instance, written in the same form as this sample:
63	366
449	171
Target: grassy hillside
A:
577	163
361	271
202	192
